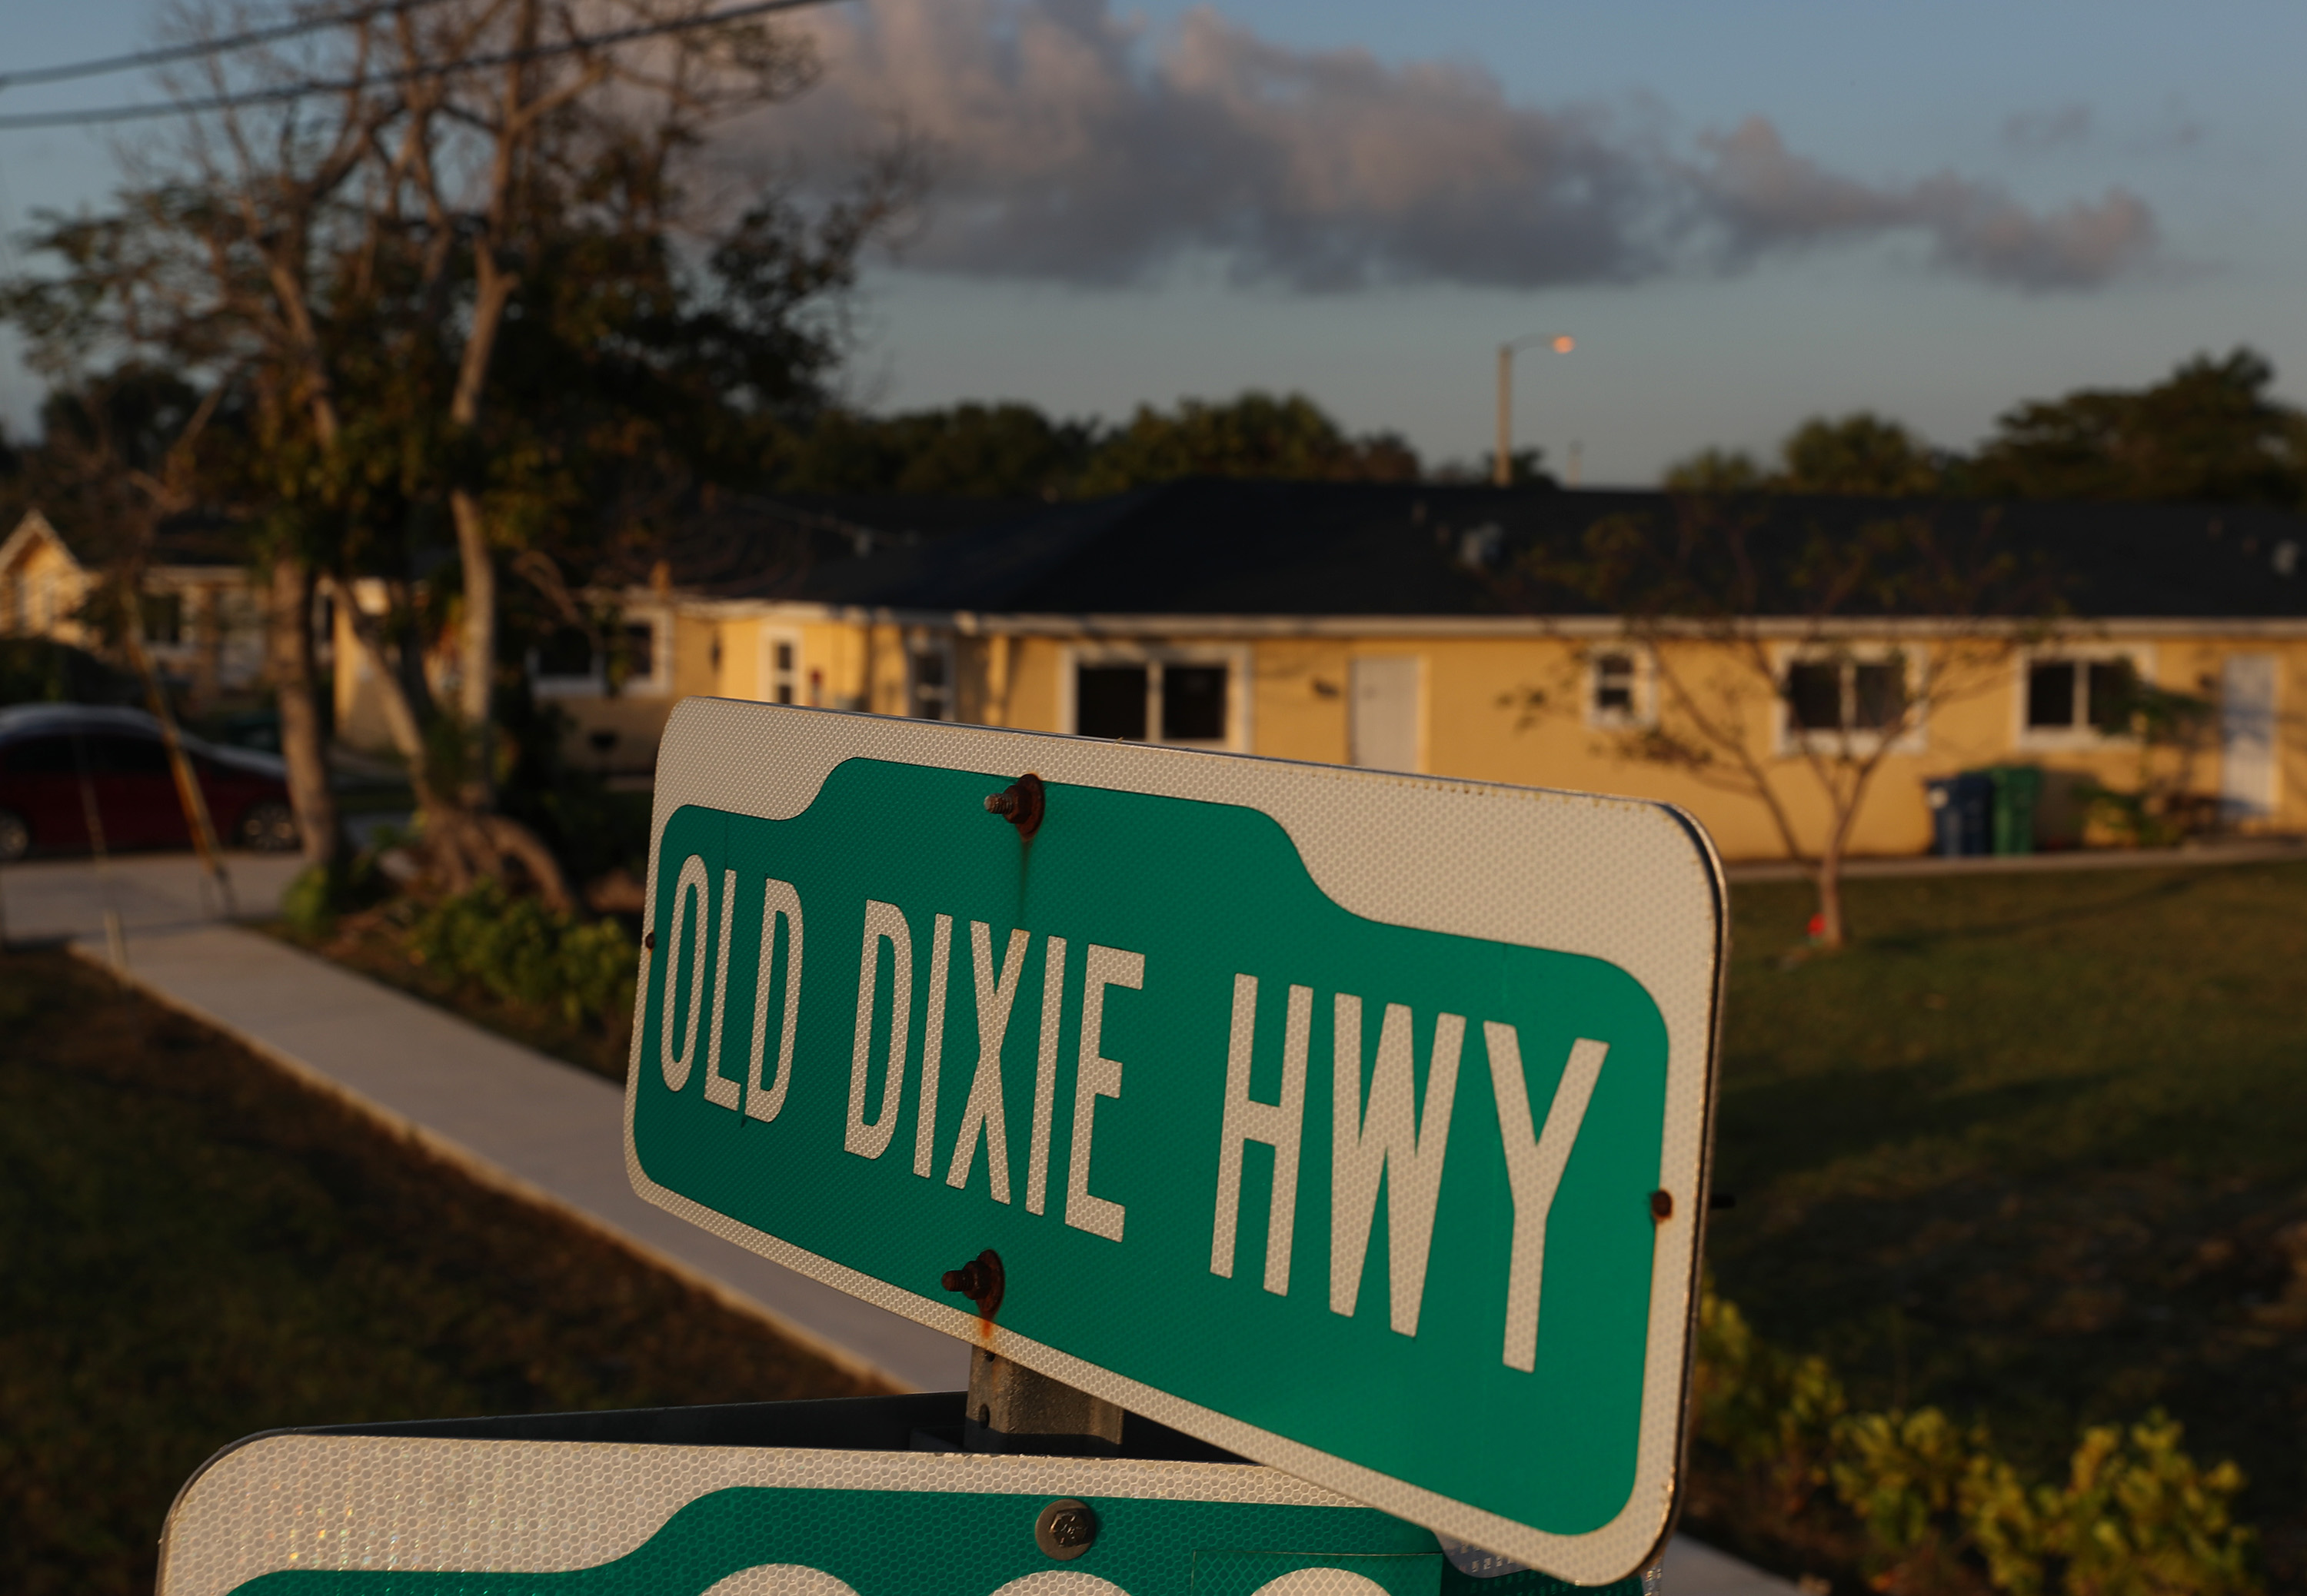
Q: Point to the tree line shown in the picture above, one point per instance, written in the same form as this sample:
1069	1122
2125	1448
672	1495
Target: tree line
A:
2210	433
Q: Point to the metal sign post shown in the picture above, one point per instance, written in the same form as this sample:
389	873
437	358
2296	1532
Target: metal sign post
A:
1354	1122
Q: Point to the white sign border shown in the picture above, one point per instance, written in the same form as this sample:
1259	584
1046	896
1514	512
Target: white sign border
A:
298	1500
1526	865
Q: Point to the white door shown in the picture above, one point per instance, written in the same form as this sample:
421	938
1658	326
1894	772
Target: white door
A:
2247	737
1386	690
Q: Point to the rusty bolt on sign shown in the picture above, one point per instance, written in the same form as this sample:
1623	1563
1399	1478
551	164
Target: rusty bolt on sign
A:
979	1280
1019	803
1064	1528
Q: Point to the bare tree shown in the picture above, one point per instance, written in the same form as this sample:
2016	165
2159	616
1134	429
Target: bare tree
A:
363	220
1786	656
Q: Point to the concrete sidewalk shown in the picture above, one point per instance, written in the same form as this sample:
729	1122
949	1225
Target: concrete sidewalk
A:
517	1119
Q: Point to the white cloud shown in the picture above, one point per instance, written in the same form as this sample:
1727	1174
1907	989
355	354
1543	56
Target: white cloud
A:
1069	145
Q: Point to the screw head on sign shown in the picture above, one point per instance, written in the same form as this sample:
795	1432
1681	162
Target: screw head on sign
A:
1661	1205
979	1280
1066	1529
1019	803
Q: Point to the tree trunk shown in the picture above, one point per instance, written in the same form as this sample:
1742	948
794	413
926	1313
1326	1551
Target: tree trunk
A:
289	636
477	651
1828	879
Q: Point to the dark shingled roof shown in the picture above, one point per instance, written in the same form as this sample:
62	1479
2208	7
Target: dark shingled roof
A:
1211	547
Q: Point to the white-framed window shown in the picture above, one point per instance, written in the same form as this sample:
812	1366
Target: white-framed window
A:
781	676
1185	696
561	666
1848	698
2077	698
648	654
566	664
1619	686
929	675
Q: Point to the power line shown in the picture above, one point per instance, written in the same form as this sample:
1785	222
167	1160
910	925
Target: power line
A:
214	47
290	91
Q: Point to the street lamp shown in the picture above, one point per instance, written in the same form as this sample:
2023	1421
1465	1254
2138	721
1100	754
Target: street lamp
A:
1561	343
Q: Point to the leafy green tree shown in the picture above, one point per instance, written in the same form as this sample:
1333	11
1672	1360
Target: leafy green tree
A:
1861	455
1013	450
1715	471
967	451
1255	435
2210	431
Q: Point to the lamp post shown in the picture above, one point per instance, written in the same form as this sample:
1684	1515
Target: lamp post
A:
1502	463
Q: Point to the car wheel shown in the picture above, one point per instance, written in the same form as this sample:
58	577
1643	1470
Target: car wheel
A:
269	827
15	837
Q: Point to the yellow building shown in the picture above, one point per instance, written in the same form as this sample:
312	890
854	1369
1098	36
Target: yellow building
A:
203	624
1391	626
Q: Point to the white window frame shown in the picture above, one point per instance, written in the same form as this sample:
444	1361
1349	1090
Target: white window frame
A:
594	683
921	640
659	682
796	678
1643	710
1795	740
2077	738
1234	657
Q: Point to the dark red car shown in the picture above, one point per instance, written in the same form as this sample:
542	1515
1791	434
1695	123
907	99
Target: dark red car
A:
56	760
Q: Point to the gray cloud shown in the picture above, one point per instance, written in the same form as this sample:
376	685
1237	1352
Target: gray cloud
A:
1766	196
1070	146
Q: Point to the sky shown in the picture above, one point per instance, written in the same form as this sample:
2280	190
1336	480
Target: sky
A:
1744	215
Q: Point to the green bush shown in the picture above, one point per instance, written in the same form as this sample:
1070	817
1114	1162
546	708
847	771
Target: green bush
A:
310	903
1923	1505
525	952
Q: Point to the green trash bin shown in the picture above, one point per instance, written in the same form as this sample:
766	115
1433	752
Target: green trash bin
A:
2018	789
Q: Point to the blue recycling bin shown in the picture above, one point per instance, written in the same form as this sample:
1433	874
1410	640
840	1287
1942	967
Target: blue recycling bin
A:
1962	813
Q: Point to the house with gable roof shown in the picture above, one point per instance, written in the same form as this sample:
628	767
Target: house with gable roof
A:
203	618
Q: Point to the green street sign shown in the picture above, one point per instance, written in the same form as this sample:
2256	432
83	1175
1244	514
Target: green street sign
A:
305	1514
1356	1123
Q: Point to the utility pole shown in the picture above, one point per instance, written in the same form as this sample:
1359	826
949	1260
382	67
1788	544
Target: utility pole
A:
1502	461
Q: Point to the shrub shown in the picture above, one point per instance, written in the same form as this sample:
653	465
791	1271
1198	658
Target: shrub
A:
1924	1506
525	952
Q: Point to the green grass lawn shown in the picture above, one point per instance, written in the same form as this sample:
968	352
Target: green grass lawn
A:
2034	1151
196	1248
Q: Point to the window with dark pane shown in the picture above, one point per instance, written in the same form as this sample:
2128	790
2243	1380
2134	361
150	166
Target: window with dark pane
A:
640	649
1193	704
1815	696
1109	701
932	693
42	756
2111	694
566	651
127	756
2051	695
784	670
1879	691
1614	687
